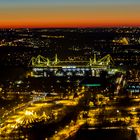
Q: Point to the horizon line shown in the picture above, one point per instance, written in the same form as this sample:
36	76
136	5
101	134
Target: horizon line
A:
72	27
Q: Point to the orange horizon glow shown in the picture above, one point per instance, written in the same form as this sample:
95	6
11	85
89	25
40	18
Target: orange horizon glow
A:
64	24
67	25
70	16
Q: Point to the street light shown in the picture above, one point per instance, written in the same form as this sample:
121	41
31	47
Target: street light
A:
118	111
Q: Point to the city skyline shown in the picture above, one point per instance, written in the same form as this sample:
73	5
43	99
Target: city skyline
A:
79	13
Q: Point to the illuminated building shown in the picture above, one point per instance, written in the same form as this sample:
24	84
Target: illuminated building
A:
43	67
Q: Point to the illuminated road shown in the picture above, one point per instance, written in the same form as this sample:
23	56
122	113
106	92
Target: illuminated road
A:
70	129
116	116
113	117
41	108
106	114
22	106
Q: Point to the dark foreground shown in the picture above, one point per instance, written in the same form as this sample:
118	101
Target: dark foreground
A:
105	134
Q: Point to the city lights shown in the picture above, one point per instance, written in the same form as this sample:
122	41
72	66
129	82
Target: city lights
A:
69	83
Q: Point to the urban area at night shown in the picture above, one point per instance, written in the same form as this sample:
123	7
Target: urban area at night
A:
70	83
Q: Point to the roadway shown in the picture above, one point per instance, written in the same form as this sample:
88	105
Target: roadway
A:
121	112
104	117
40	108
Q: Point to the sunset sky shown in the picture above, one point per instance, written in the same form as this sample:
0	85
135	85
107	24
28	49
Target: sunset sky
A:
69	13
